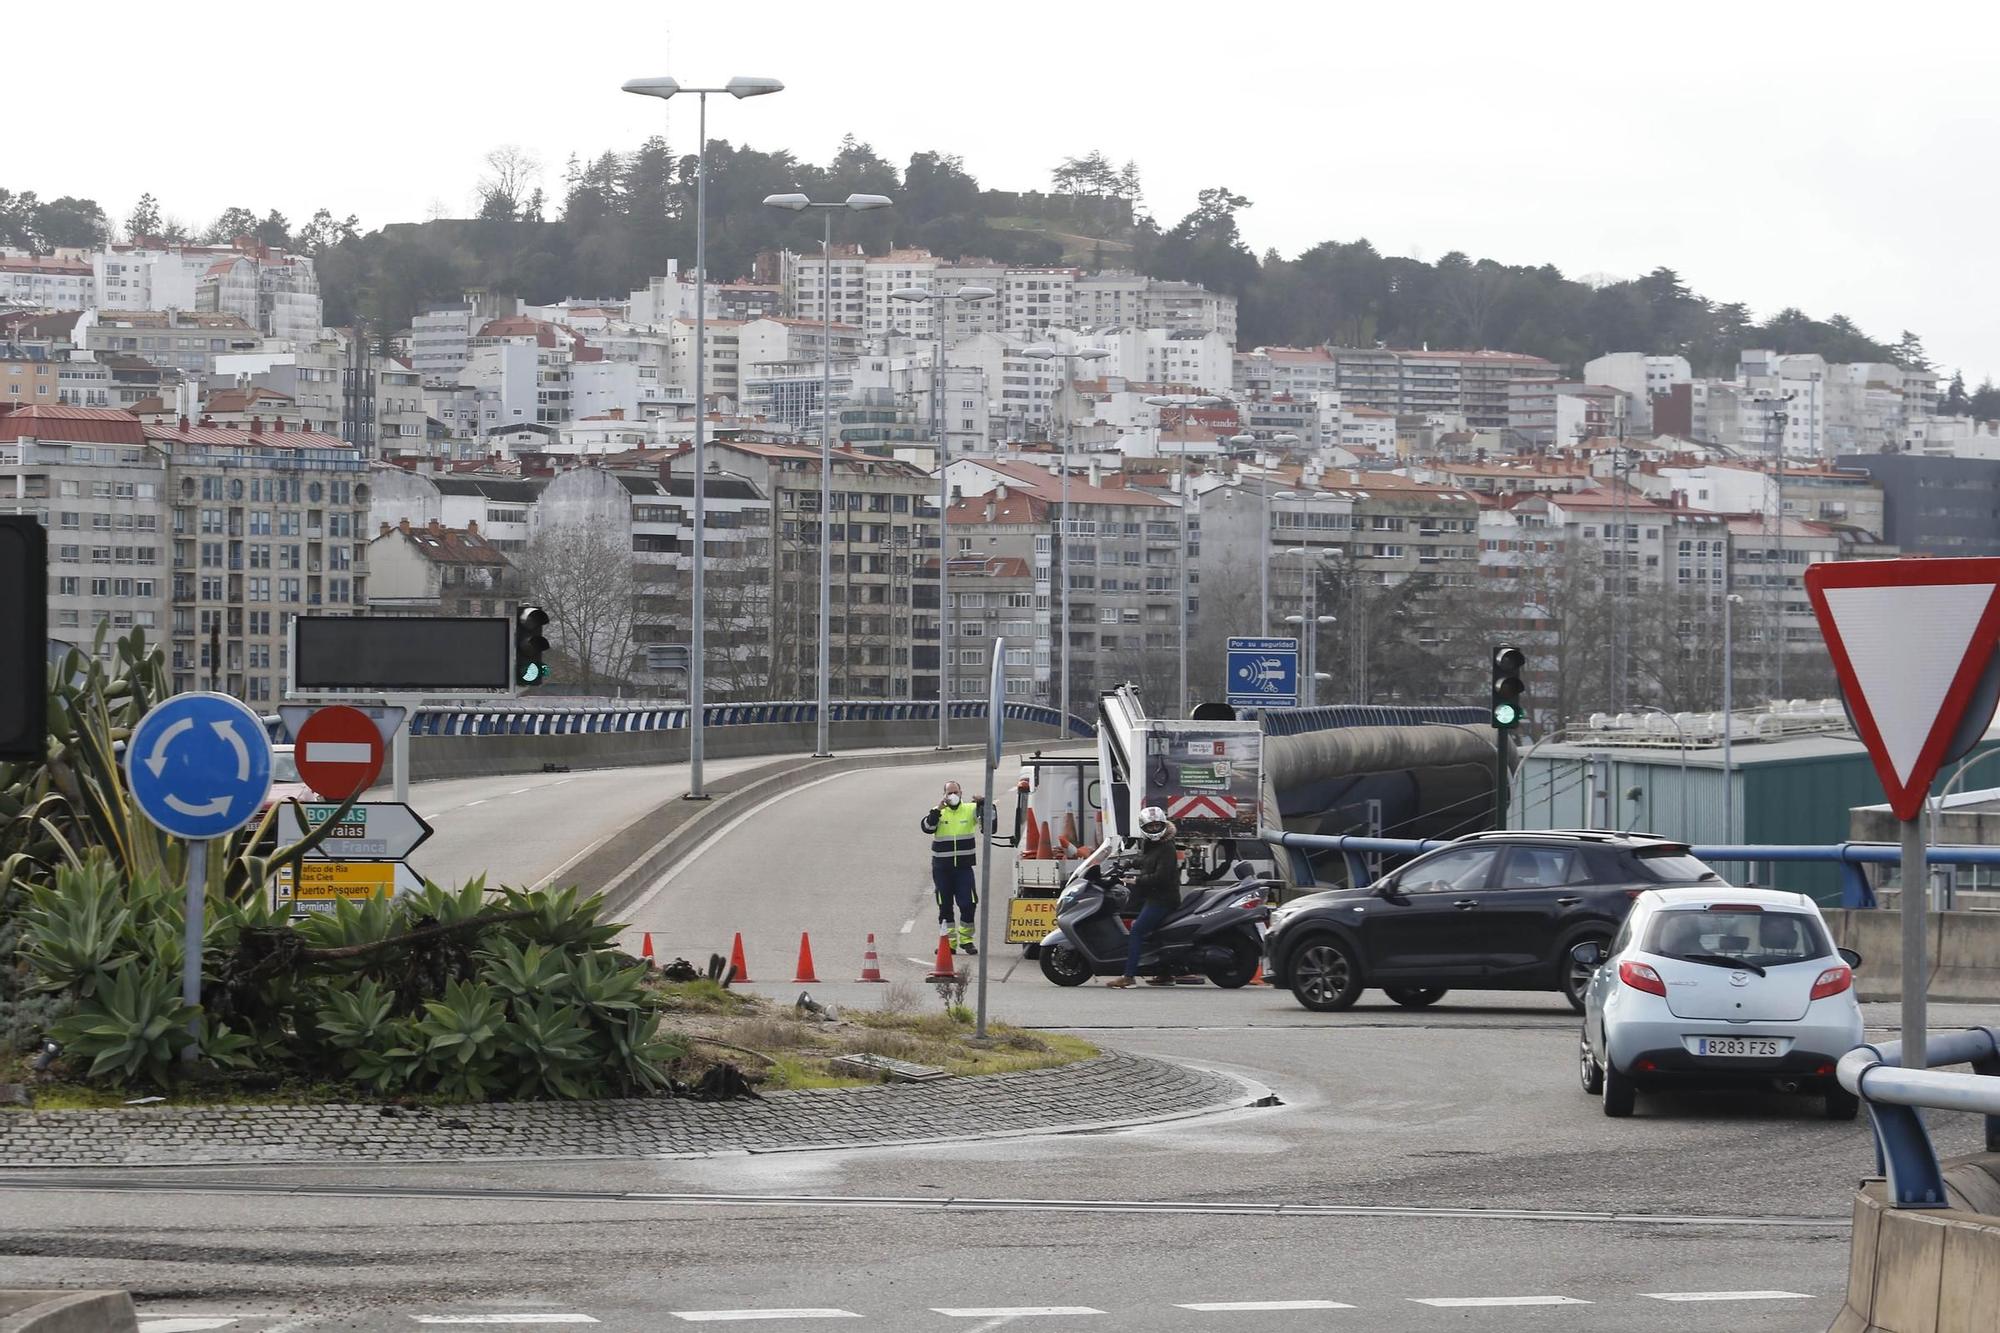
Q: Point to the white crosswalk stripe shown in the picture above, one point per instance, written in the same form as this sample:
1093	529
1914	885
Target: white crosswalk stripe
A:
1725	1295
511	1317
745	1316
1227	1307
1014	1311
1475	1302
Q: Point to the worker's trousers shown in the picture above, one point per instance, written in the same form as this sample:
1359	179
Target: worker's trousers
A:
954	885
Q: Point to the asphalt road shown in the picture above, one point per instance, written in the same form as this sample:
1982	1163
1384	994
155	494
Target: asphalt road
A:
1420	1124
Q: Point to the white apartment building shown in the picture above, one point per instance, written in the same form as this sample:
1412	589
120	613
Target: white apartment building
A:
273	292
803	275
441	341
30	282
1638	376
1039	299
152	277
1186	358
723	353
1287	372
1114	298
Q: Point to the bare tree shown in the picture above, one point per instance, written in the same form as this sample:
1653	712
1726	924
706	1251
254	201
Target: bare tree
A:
582	576
505	188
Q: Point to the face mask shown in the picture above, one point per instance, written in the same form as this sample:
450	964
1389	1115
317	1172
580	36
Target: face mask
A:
952	799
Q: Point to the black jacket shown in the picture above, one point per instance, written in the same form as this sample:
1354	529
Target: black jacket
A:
1159	878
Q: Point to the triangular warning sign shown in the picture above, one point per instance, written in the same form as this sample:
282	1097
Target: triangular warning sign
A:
1911	641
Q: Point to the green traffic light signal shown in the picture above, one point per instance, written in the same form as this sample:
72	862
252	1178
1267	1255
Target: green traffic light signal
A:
530	646
1508	687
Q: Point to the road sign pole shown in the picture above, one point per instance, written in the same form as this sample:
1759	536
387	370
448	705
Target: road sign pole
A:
399	758
1916	938
193	929
996	732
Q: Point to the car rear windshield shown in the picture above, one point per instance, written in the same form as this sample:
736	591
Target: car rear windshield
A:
1671	865
1761	937
284	767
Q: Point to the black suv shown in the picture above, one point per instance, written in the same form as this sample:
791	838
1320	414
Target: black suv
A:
1491	911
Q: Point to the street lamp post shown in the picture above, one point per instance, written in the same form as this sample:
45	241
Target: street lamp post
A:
1264	538
1186	499
798	203
739	88
937	300
1729	603
1045	352
1680	732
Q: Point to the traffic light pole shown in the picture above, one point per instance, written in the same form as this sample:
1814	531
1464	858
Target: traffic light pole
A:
1499	778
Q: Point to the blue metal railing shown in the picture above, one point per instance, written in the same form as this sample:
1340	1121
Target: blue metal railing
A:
538	718
1903	1151
1849	856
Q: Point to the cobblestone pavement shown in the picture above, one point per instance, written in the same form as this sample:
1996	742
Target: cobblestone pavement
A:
1109	1089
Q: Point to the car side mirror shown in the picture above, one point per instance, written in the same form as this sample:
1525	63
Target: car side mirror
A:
1589	953
1850	957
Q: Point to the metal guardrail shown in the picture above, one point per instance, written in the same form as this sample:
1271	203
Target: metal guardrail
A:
537	718
1895	1096
1850	856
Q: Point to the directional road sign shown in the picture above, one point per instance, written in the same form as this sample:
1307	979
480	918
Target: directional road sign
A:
1263	673
369	831
1914	643
199	764
328	882
339	752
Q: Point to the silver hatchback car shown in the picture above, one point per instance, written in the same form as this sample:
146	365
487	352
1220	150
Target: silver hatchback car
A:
1717	986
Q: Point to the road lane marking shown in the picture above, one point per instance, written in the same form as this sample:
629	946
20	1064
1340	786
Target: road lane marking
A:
741	1315
1014	1311
469	804
1725	1295
183	1323
908	926
1470	1302
520	791
534	1318
1226	1307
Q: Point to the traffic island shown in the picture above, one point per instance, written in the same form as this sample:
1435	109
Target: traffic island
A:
1110	1091
66	1312
1927	1270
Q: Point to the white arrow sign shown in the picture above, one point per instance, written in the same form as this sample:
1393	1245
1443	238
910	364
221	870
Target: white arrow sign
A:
369	831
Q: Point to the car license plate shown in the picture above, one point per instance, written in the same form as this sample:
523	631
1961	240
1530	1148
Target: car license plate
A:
1750	1046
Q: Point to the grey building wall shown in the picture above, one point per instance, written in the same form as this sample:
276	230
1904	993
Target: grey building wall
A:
1937	506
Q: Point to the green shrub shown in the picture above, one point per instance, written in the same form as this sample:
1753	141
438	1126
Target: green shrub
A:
134	1027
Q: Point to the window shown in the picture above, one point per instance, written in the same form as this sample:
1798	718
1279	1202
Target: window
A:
1450	872
1761	938
1543	867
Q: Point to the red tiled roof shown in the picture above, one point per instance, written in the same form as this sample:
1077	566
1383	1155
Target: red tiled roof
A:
1017	508
43	264
449	546
243	436
1049	487
73	425
242	400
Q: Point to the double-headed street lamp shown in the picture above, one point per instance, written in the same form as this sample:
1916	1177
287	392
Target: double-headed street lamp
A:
739	88
798	203
1045	352
1185	403
937	300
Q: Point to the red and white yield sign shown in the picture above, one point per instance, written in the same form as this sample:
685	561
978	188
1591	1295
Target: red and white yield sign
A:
1916	644
338	751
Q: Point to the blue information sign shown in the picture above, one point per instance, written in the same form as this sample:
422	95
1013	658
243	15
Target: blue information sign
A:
1263	673
199	764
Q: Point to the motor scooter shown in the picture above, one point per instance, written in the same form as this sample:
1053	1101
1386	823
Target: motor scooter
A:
1216	931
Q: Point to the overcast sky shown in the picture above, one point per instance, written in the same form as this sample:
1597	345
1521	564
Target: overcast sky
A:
1838	157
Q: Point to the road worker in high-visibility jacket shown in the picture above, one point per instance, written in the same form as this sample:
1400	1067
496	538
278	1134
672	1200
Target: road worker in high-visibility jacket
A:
953	826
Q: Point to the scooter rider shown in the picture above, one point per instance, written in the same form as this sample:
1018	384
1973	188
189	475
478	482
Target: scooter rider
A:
1157	887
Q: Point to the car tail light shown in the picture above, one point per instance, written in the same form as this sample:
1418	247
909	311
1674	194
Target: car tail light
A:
1833	981
1641	977
1633	894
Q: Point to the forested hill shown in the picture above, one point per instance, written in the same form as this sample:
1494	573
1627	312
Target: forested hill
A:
616	219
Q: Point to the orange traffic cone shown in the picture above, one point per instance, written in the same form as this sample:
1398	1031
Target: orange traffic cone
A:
1032	844
943	967
646	948
1048	843
1069	829
806	960
871	966
739	970
1257	977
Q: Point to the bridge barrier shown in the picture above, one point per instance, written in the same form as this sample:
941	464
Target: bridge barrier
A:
1925	1251
25	1311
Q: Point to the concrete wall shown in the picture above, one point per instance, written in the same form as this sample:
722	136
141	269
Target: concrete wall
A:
1963	950
480	756
66	1312
1932	1270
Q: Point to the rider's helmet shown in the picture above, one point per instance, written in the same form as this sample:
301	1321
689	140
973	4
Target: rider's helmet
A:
1154	824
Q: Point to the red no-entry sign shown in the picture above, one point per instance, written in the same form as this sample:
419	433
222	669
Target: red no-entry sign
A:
339	752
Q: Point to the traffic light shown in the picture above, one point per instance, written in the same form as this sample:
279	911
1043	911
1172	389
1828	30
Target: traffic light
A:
530	646
1508	687
24	638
